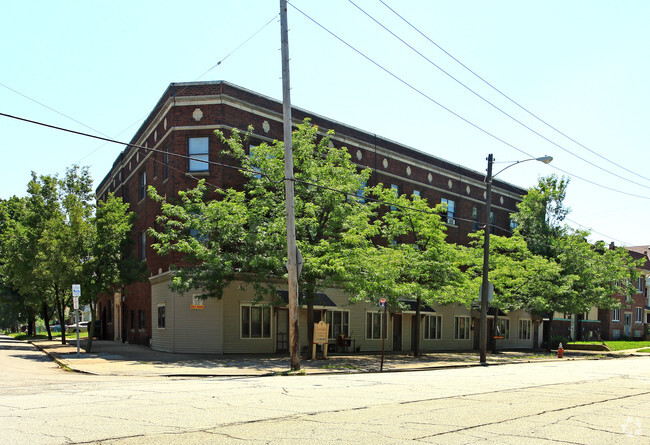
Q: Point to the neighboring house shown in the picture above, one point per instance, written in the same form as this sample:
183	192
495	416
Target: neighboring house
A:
580	327
183	123
631	319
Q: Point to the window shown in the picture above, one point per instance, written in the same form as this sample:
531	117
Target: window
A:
255	322
339	322
461	328
513	225
432	327
359	195
493	223
503	328
524	329
476	218
125	194
166	163
451	209
141	319
639	284
161	316
251	155
142	248
198	150
374	322
616	315
143	185
394	187
416	193
639	315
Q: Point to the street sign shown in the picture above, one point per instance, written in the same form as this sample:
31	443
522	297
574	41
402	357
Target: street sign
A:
382	302
490	292
75	302
76	290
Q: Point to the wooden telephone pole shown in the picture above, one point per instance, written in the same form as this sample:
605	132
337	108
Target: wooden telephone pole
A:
292	249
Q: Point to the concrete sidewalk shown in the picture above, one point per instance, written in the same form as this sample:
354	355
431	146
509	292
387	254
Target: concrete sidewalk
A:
114	358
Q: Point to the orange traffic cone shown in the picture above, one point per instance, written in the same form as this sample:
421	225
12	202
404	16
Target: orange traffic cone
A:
560	351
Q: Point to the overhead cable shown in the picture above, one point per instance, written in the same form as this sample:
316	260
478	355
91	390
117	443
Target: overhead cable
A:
510	99
492	104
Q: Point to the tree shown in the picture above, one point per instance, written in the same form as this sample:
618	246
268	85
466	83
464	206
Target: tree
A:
588	273
541	214
411	258
226	233
110	261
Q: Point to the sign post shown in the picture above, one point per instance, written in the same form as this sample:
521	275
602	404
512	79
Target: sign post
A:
76	293
382	303
321	330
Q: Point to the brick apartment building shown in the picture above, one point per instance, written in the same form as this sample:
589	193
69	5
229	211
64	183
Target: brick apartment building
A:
632	319
183	123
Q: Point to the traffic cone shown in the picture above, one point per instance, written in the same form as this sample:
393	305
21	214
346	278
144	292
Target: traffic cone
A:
560	351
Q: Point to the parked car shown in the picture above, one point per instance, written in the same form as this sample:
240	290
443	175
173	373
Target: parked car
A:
82	326
55	328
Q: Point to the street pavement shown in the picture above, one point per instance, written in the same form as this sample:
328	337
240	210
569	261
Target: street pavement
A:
116	358
548	400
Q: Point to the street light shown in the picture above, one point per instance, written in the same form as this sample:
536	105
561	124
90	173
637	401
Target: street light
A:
486	248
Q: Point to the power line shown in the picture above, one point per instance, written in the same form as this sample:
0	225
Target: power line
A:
429	98
490	103
256	172
509	98
51	109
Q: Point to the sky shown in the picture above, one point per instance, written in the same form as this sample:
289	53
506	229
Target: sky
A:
582	67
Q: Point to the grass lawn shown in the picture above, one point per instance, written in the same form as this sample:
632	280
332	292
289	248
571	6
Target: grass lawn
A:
646	350
55	336
617	345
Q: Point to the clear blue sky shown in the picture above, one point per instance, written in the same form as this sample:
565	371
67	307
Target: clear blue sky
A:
582	66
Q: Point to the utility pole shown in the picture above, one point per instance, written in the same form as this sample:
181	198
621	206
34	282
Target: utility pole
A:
486	263
292	249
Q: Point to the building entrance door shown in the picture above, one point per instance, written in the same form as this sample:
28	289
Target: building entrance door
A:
397	332
282	331
628	324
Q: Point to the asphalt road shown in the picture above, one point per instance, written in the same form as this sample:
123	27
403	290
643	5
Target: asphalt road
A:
586	402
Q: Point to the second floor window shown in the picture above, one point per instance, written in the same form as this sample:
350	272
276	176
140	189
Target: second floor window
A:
166	163
198	150
143	246
142	190
476	218
451	210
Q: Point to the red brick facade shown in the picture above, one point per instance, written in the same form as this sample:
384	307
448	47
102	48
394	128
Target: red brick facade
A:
631	320
196	109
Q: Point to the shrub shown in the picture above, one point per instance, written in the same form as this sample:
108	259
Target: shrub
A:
556	340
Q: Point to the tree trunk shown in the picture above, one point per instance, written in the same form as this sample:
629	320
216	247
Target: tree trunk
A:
31	322
416	340
45	313
310	327
495	332
91	328
61	312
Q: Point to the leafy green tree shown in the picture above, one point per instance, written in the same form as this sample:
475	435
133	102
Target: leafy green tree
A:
411	258
227	233
588	273
541	214
109	262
